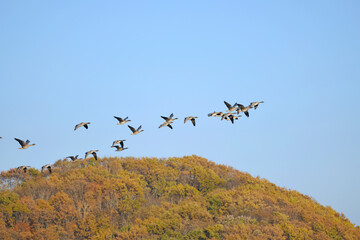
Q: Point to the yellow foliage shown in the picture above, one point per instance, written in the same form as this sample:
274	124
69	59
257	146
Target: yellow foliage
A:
148	198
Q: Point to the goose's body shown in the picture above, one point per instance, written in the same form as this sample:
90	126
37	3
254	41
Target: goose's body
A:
242	108
166	124
255	104
122	120
230	107
121	142
24	145
93	152
119	149
48	167
135	131
215	114
191	118
82	124
73	158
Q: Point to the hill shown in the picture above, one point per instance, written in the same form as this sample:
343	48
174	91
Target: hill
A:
149	198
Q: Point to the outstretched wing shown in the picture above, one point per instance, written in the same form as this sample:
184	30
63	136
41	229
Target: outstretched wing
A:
193	121
122	144
165	118
86	126
171	115
246	113
139	128
227	105
119	118
169	126
77	126
186	119
22	143
240	106
231	119
95	155
131	128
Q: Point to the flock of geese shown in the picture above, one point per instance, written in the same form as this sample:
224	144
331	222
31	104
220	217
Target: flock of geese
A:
232	113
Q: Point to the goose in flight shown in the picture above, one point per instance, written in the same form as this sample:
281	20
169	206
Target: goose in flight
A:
166	124
190	118
73	158
23	168
135	131
93	152
24	145
255	104
225	115
119	149
47	166
121	120
121	142
232	118
169	119
243	109
82	124
230	108
215	114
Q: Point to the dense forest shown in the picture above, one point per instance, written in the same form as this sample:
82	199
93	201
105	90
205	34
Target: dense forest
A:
150	198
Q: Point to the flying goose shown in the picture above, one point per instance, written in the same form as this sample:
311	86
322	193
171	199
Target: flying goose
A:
231	118
230	108
169	119
121	142
119	149
135	131
166	124
93	152
73	158
82	124
23	168
47	166
190	118
225	115
243	109
122	121
255	104
215	114
24	145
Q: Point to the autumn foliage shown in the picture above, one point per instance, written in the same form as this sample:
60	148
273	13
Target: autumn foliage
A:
149	198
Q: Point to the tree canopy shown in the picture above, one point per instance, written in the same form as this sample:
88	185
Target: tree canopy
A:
149	198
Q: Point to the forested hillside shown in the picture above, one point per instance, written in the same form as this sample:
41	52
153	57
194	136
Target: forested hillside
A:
149	198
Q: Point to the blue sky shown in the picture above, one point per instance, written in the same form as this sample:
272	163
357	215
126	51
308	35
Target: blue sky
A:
62	63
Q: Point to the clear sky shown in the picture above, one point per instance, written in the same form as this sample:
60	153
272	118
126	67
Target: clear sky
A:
64	62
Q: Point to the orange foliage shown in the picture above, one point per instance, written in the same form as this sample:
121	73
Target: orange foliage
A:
149	198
